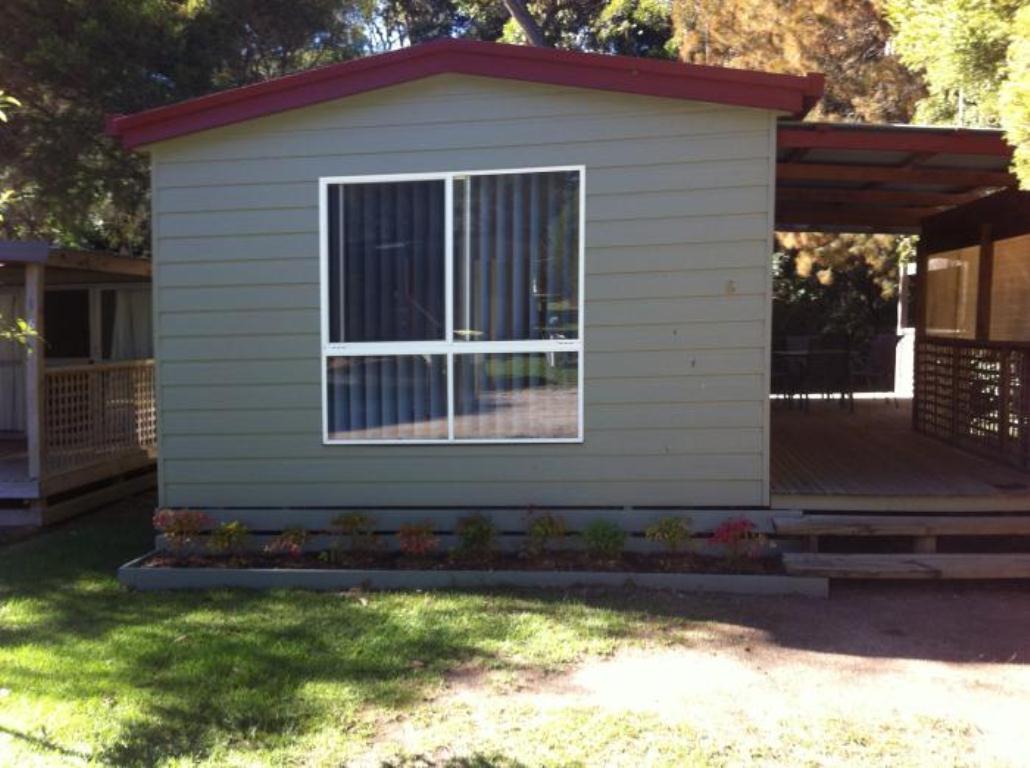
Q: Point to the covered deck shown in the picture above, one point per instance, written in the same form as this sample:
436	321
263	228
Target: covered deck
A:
961	443
77	411
827	458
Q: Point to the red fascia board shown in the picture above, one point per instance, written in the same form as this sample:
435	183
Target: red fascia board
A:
649	77
936	141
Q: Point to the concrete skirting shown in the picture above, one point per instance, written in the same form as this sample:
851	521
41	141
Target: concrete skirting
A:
149	579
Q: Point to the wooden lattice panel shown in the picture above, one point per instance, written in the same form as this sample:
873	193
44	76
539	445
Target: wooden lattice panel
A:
98	411
973	395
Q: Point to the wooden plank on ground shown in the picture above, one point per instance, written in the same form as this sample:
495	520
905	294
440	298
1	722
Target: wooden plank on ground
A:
902	525
916	566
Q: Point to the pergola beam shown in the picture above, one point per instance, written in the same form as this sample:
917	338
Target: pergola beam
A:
99	262
795	214
873	196
951	177
933	141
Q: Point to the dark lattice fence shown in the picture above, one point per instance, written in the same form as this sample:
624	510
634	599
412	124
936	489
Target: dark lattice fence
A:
974	395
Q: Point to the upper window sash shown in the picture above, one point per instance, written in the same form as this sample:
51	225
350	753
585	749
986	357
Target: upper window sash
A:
563	319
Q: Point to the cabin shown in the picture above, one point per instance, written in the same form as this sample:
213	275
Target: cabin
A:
77	412
471	275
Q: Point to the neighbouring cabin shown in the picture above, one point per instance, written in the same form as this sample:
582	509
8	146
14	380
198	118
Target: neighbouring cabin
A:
471	275
77	416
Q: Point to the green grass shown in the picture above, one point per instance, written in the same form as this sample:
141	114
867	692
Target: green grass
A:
93	674
91	671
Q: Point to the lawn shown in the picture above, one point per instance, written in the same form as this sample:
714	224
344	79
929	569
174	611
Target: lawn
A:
91	673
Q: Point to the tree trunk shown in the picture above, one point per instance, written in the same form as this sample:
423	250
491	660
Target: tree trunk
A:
519	12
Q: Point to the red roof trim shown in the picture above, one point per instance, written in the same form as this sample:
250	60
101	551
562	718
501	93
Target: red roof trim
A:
891	138
648	77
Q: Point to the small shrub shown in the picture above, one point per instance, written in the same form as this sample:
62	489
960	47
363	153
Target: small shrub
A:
673	533
180	527
358	528
476	535
289	542
604	539
417	539
229	538
543	530
740	539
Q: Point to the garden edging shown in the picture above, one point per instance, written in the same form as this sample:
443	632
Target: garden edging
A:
136	576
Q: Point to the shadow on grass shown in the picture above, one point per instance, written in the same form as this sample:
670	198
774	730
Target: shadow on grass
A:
194	672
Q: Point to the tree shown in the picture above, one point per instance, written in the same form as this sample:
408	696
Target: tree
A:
975	57
847	41
1014	107
75	61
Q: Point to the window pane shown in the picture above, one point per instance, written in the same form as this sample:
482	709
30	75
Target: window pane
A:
386	261
951	289
516	257
531	395
400	397
66	323
1010	290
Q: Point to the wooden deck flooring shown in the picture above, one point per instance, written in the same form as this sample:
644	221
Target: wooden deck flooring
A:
828	458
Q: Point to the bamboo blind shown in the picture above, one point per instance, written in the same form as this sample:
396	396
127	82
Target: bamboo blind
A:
1010	290
952	280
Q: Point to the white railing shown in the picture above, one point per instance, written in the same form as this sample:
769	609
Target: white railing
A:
95	413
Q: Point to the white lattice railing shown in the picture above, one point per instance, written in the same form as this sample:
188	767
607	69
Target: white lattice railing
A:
96	412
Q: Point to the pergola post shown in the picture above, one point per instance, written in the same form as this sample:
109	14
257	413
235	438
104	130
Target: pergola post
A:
35	362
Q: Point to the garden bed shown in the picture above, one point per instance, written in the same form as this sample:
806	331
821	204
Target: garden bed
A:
389	570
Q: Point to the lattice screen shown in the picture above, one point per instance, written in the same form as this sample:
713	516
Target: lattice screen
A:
974	396
95	412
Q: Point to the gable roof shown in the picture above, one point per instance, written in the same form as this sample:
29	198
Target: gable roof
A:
647	77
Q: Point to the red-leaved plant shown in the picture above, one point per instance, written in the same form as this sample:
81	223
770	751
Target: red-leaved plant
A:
289	542
740	539
180	527
417	539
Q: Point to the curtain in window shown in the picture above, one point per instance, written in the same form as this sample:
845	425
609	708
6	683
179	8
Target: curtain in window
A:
12	368
390	397
517	279
132	333
386	265
517	259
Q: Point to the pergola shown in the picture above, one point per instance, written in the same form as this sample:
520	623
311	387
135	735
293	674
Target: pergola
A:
855	177
953	188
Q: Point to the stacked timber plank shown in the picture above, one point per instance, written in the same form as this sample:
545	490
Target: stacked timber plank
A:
923	563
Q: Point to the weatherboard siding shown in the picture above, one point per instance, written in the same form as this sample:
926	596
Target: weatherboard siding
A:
676	337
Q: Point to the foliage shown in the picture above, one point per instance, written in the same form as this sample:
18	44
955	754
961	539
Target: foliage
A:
1014	104
19	331
847	41
543	530
673	533
477	535
289	542
417	539
74	62
180	527
359	530
229	538
975	58
740	539
604	539
837	284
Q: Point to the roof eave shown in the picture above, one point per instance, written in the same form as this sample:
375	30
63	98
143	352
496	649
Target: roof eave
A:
788	94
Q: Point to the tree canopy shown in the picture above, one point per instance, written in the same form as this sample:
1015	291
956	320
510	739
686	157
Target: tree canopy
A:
975	58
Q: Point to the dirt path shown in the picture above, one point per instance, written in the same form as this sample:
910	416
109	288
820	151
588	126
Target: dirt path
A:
877	675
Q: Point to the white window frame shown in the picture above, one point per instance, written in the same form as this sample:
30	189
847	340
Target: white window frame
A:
448	346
